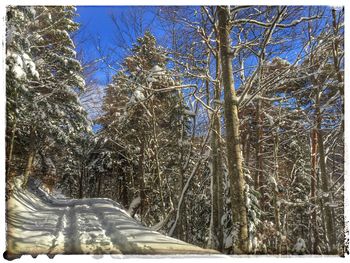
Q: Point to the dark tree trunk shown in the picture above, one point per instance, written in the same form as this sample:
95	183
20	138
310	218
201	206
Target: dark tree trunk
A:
10	150
313	190
217	166
141	177
81	179
259	159
327	197
30	160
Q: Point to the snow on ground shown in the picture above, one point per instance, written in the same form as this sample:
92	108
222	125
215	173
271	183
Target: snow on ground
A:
38	223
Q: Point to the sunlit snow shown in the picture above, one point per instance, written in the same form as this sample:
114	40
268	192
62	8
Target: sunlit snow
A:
39	223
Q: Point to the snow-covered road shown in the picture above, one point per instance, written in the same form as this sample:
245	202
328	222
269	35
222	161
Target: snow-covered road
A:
40	224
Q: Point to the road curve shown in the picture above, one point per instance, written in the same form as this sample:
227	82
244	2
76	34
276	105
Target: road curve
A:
40	224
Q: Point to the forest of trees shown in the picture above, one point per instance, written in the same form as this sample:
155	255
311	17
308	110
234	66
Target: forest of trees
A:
225	130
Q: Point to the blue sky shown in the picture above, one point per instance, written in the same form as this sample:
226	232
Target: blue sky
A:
97	19
97	26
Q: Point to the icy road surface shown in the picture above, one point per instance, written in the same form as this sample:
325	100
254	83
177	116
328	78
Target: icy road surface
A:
40	224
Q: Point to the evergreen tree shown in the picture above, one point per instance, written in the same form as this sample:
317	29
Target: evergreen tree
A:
145	117
41	61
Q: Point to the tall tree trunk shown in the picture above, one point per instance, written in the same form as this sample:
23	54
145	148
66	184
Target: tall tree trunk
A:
142	176
124	189
181	179
10	149
276	202
30	160
81	180
247	143
234	153
180	184
98	190
156	159
259	136
217	185
313	191
326	198
217	166
9	157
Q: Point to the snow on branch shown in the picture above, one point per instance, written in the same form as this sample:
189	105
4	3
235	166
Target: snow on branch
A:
262	24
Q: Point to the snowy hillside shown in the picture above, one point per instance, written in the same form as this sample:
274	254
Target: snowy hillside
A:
41	224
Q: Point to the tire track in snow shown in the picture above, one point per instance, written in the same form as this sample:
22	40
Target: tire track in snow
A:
92	234
117	237
58	241
71	239
42	224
